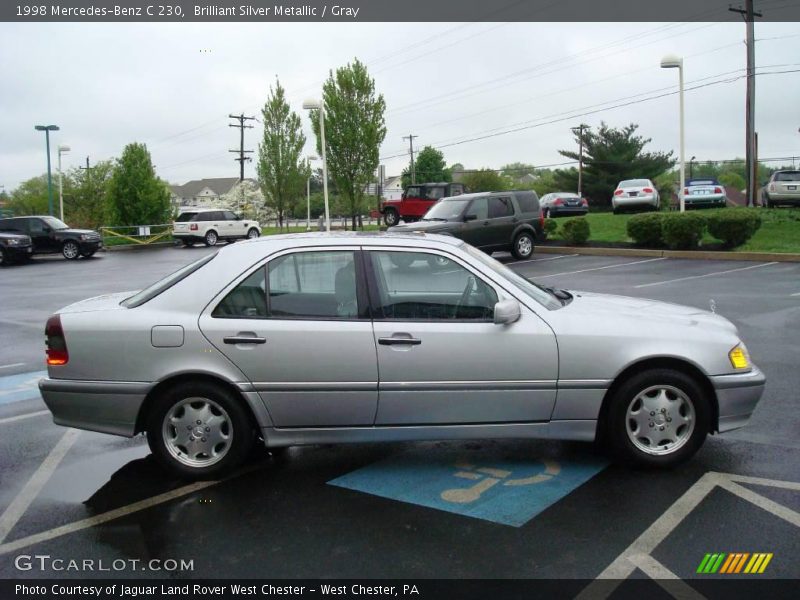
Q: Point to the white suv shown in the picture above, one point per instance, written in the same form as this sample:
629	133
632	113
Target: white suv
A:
210	225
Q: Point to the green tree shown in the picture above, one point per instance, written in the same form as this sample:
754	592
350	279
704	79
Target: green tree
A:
86	195
136	196
354	130
732	179
485	180
516	170
30	198
609	156
282	173
429	167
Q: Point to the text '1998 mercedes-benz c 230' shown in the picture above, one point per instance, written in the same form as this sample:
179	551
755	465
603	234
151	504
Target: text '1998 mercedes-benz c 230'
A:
321	338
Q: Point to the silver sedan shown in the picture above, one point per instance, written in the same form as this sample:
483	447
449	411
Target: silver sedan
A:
321	338
635	193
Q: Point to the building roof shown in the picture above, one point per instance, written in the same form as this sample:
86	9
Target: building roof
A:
218	185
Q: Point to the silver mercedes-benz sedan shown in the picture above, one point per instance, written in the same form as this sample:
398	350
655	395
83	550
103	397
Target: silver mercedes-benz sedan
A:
321	338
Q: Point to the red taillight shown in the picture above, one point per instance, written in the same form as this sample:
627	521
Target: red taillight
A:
717	190
56	343
541	219
618	193
584	202
685	191
193	227
558	202
647	190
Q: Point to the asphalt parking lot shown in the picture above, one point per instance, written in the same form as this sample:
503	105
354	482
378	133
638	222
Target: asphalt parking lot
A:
488	509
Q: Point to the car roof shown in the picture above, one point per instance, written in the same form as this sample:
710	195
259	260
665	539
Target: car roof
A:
193	210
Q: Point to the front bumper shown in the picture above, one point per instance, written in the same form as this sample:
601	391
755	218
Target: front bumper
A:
90	245
14	253
104	406
737	397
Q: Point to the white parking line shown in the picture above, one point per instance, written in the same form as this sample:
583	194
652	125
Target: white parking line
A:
20	504
644	285
12	365
522	262
636	262
793	295
25	416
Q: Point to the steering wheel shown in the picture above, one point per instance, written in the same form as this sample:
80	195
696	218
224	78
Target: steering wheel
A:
462	301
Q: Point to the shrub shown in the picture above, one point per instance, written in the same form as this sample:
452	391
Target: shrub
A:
682	231
576	231
550	226
645	229
734	226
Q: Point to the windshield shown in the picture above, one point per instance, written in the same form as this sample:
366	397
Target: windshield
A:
446	211
541	296
54	223
633	183
154	290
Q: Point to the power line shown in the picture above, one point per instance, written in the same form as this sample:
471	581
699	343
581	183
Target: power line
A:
241	151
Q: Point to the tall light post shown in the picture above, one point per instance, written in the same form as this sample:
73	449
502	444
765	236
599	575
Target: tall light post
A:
312	104
308	194
691	171
62	149
670	61
47	129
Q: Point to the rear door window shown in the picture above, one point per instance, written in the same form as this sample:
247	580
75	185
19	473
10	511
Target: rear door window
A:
186	217
480	208
500	207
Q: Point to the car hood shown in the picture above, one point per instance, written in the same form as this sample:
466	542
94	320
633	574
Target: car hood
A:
426	226
608	306
71	231
104	302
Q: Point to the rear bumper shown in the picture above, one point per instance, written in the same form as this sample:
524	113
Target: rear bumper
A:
556	211
104	406
784	198
737	397
623	201
708	200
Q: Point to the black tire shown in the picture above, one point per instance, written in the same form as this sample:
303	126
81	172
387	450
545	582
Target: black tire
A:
211	238
188	243
523	245
402	260
3	260
681	392
767	203
616	211
438	262
70	250
546	213
253	233
391	217
88	254
237	423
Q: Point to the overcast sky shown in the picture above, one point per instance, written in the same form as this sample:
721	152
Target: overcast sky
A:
172	87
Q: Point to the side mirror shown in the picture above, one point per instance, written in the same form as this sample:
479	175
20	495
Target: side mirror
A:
506	312
472	217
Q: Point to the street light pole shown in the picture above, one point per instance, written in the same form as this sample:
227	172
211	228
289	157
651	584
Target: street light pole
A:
61	149
308	194
320	105
670	62
47	129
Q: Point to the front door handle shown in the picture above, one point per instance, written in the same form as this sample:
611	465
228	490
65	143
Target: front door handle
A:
244	339
397	341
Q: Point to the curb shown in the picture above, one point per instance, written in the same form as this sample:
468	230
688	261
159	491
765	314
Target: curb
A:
688	254
127	247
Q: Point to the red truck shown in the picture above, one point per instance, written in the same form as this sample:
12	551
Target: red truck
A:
416	201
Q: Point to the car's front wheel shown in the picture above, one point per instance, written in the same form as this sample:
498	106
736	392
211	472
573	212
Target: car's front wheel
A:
88	253
211	238
199	430
391	217
253	233
70	250
523	246
658	418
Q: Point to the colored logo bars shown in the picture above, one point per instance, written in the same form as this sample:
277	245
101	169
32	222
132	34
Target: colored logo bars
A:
735	563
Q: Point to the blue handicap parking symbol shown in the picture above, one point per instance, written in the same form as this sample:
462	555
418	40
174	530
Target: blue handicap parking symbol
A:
23	386
479	484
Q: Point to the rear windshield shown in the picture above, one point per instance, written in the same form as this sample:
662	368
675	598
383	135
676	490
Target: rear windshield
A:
703	182
633	183
528	201
788	176
187	216
158	287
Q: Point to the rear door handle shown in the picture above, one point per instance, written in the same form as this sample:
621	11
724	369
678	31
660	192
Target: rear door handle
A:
244	339
397	341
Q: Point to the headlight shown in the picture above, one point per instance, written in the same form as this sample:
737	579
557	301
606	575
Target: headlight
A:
739	357
12	242
84	237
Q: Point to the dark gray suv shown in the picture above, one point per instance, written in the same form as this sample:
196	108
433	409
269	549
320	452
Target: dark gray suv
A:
490	221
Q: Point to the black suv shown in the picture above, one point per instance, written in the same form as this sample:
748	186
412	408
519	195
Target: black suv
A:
14	247
50	235
489	221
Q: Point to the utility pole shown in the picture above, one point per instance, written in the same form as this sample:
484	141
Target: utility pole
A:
410	139
579	130
241	151
87	167
750	103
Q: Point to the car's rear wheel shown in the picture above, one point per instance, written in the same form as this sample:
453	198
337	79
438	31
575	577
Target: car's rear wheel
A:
523	246
391	217
546	213
199	430
253	233
211	238
70	250
658	418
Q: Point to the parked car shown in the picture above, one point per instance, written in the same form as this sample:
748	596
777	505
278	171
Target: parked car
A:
557	204
489	221
14	247
783	187
704	193
636	194
210	225
417	199
293	339
50	235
